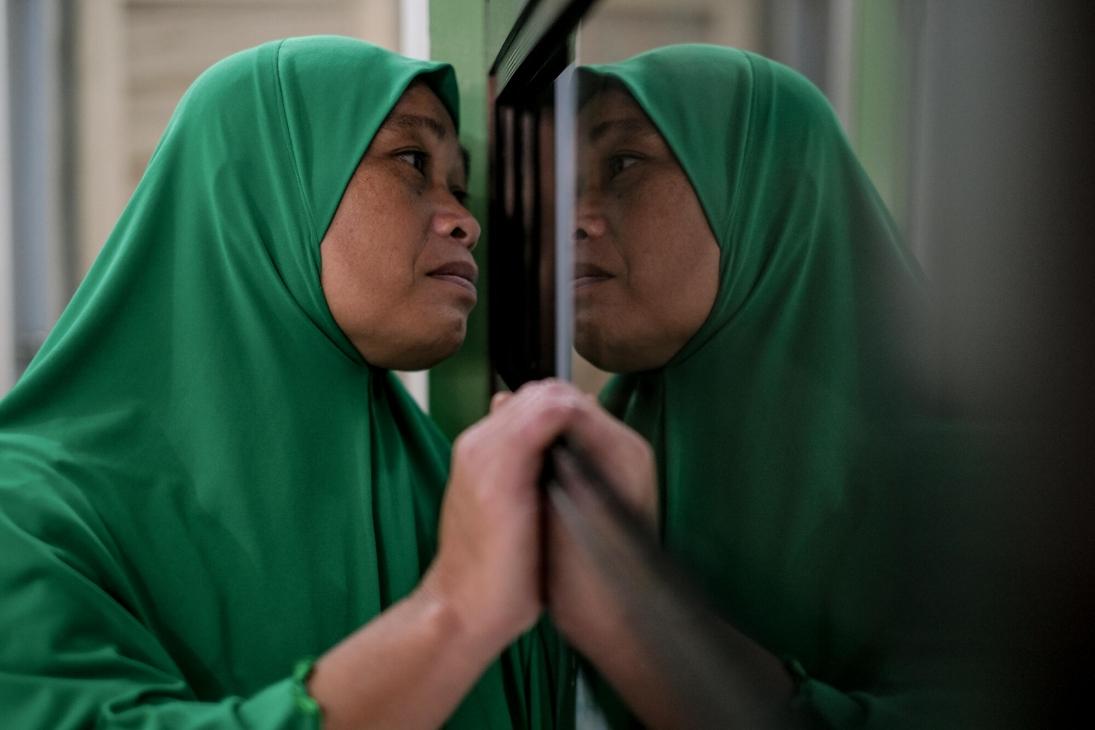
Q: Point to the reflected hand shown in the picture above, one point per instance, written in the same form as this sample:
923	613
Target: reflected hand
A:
580	598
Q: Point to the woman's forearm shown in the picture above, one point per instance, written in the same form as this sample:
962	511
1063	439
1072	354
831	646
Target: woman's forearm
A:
407	668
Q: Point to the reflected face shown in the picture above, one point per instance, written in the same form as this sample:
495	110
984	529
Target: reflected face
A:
397	269
647	262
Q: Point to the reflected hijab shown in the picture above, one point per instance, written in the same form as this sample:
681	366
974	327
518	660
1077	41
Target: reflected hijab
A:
778	426
202	483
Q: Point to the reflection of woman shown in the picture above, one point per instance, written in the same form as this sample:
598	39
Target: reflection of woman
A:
208	475
759	322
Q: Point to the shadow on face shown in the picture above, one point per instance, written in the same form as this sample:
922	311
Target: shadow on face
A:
647	263
397	269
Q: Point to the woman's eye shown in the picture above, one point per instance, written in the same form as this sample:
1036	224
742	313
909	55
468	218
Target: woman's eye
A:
414	158
461	196
619	163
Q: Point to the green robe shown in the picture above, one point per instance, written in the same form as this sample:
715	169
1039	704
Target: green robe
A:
202	484
781	428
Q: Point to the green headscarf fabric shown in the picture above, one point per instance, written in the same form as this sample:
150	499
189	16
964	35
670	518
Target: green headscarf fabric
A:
201	481
778	427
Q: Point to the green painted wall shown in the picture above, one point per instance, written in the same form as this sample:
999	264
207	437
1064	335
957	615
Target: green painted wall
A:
501	15
880	106
468	34
460	387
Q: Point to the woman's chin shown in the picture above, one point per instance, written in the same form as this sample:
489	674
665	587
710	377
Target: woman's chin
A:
599	353
424	351
617	355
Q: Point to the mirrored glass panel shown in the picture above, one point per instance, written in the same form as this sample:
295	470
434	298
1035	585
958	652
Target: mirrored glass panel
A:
746	298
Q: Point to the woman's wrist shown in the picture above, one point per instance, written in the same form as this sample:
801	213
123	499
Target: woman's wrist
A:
430	653
468	625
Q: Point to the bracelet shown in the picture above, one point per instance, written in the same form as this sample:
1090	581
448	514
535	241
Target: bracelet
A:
304	701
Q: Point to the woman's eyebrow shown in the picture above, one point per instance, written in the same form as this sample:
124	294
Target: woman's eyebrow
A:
417	121
627	125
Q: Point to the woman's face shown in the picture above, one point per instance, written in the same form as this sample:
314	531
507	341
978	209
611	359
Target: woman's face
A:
398	273
646	261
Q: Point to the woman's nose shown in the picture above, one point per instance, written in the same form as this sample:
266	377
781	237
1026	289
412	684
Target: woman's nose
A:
589	219
453	220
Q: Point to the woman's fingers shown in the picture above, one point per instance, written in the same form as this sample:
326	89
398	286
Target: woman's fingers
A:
534	416
499	399
539	412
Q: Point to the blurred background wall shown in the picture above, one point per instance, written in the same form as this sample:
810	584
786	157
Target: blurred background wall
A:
86	89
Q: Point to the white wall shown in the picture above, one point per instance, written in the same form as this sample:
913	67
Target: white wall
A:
7	264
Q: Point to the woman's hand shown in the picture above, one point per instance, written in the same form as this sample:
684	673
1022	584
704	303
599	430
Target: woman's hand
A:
488	568
410	666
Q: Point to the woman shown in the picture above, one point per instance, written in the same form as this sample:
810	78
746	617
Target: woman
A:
208	475
737	266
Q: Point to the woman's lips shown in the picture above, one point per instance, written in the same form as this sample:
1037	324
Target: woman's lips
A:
462	273
586	274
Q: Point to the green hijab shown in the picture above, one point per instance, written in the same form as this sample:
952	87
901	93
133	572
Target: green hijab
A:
778	426
202	484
